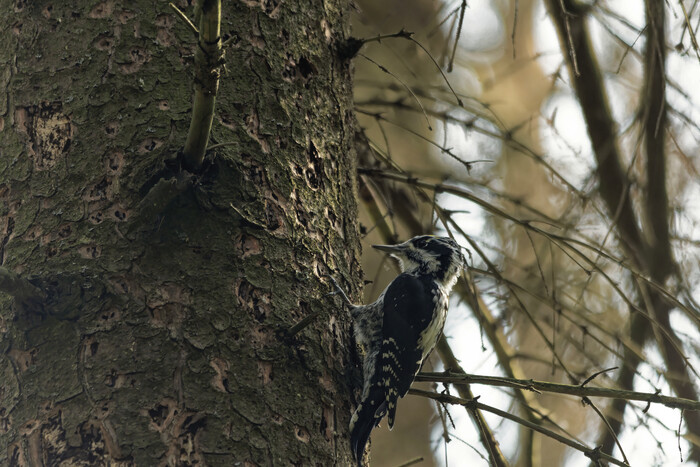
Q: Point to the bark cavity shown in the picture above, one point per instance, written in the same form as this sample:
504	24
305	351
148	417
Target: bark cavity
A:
256	302
298	69
247	245
180	431
148	145
265	372
302	434
253	127
220	380
102	10
136	58
49	132
313	173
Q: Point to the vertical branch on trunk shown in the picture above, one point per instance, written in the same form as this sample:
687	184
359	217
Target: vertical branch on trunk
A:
207	60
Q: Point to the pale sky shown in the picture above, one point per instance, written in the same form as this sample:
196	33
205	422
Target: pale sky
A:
485	31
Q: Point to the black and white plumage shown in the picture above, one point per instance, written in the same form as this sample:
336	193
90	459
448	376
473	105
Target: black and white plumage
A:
401	327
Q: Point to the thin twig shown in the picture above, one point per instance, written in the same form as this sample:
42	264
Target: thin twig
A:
369	196
691	33
678	435
572	49
587	402
515	24
459	101
559	388
221	145
448	151
184	18
459	33
487	438
596	374
475	404
436	28
406	86
379	37
415	461
301	324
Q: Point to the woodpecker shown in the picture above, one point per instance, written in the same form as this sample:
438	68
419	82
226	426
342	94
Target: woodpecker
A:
399	330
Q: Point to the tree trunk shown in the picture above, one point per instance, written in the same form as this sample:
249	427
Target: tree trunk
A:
162	343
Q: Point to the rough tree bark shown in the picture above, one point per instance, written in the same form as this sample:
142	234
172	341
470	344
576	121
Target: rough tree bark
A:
159	343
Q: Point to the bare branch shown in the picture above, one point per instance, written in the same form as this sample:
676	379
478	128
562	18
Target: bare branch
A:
559	388
487	438
593	454
653	257
691	33
654	122
460	23
403	83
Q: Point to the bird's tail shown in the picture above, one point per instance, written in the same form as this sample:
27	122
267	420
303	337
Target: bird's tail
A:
367	415
391	406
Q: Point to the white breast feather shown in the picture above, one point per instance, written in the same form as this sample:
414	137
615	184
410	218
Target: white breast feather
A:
428	338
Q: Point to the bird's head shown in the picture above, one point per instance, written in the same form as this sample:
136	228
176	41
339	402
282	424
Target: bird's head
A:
425	254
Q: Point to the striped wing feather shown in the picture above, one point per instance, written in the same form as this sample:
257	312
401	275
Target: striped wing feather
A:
408	309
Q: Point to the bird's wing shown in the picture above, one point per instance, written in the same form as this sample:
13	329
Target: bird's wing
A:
408	309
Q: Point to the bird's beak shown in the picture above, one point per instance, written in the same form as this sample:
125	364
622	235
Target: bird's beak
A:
393	249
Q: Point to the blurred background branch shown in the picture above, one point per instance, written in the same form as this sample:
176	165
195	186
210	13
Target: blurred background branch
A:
569	173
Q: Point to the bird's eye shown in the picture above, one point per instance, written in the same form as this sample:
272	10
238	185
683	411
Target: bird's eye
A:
422	243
